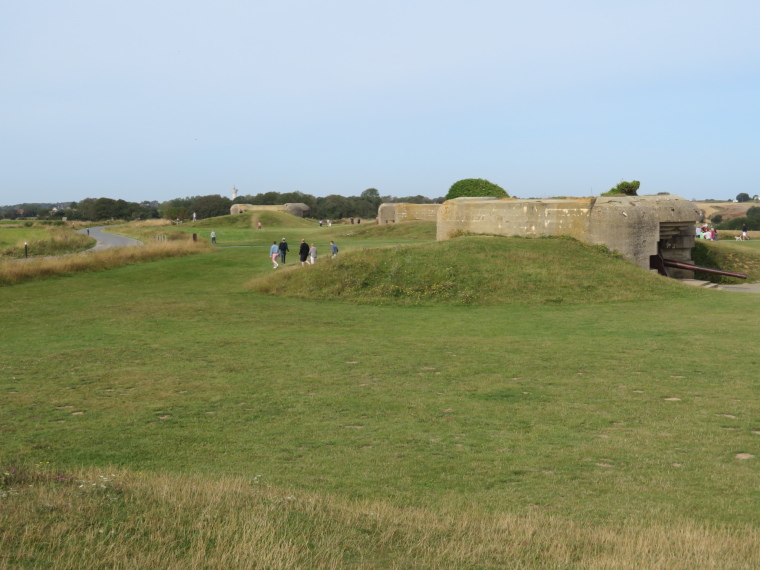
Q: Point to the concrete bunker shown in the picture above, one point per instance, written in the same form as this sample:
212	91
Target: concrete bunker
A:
396	212
638	227
296	209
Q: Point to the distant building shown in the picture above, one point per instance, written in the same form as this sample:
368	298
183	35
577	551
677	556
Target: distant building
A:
297	209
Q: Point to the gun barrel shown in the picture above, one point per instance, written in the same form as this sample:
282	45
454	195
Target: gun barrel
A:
692	267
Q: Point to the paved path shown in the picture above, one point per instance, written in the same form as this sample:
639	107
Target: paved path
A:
106	241
746	287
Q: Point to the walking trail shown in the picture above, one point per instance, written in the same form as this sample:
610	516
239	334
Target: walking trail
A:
106	241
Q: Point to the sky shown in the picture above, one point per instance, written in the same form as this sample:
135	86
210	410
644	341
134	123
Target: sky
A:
159	99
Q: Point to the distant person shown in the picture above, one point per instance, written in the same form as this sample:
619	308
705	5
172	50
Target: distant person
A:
193	216
352	221
744	232
715	234
259	225
334	249
274	251
313	254
358	220
303	252
320	223
88	231
213	236
329	224
283	250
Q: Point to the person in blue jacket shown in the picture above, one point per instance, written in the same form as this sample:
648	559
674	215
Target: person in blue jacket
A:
274	251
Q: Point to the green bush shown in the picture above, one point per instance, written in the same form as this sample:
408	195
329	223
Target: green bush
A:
717	218
754	212
753	224
475	187
624	189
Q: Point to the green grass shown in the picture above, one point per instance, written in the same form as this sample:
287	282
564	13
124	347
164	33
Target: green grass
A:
405	231
235	231
483	270
41	241
11	235
563	411
741	257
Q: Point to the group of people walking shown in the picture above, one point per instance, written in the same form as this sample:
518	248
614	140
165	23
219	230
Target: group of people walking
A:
306	253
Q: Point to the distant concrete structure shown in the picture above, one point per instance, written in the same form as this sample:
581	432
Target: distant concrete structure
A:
635	226
296	209
390	212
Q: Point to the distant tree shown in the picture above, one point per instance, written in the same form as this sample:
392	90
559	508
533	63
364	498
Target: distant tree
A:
742	197
624	189
754	212
243	199
753	224
372	196
418	199
475	187
210	206
164	207
268	199
333	207
717	218
176	213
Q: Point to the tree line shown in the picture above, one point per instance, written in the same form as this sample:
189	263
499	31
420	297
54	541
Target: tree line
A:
330	207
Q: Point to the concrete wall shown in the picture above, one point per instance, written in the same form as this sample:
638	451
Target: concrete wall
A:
403	212
513	217
635	226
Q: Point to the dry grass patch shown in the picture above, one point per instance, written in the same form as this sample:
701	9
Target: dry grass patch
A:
154	223
15	272
115	519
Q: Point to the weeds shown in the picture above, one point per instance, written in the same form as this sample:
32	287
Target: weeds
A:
15	272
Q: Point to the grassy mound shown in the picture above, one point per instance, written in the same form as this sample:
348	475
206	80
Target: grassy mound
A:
407	230
231	221
734	257
482	270
280	219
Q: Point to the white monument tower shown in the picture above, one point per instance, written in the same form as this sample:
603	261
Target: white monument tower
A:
234	192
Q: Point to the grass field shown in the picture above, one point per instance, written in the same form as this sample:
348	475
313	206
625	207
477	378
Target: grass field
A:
195	420
41	241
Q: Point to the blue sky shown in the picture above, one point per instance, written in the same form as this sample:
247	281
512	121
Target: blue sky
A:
165	98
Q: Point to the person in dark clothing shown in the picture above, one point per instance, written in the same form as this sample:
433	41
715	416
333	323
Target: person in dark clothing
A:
303	252
283	249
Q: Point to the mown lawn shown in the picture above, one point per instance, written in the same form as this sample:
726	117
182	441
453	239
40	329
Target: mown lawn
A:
598	412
